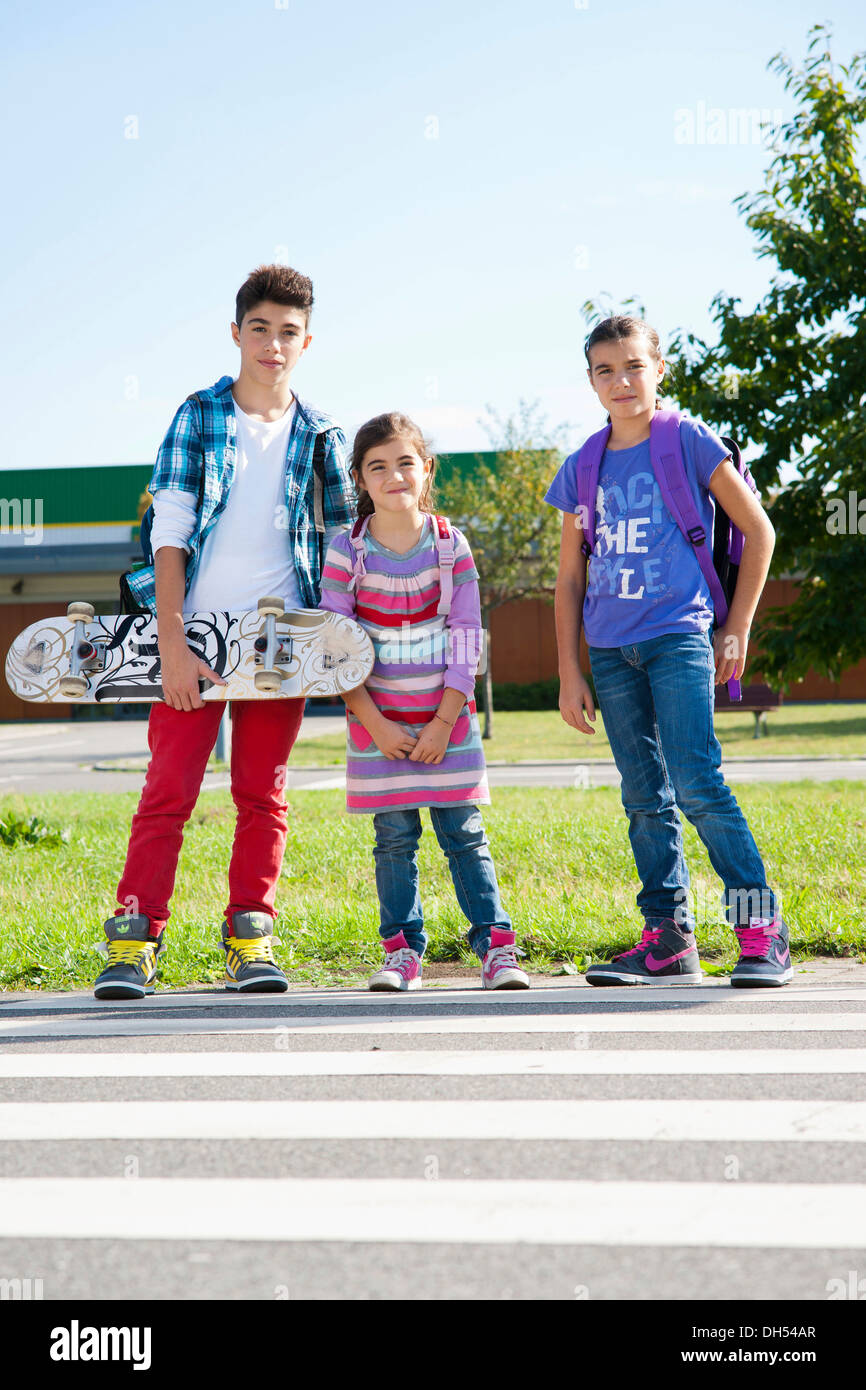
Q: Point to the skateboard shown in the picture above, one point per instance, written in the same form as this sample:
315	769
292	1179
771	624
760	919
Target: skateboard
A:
269	654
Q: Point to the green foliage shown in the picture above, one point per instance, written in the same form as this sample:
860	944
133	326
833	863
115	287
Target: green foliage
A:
17	830
533	695
788	377
513	533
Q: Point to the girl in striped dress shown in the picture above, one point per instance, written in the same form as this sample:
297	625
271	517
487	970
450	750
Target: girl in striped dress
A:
412	731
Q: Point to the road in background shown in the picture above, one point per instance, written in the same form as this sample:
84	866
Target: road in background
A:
111	755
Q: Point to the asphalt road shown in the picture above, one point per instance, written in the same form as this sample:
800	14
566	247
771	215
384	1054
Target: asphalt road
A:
112	755
693	1142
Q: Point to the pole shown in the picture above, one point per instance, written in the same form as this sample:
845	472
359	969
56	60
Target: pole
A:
224	737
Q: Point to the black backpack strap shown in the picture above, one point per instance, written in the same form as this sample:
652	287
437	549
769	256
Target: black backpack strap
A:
319	492
125	602
196	398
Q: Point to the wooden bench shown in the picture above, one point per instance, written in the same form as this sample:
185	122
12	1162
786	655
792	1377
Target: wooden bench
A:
757	700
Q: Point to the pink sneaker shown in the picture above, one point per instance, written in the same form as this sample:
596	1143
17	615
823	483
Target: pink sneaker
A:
402	968
499	969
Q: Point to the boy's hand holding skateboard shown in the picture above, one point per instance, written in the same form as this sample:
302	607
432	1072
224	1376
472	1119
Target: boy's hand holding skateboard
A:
181	672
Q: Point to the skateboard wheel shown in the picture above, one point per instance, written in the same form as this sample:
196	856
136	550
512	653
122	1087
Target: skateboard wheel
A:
267	682
84	611
73	687
272	605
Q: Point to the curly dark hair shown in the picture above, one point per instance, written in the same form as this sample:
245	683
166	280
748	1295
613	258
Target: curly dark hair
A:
277	283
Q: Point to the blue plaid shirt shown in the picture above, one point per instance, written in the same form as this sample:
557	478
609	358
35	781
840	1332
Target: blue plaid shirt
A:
183	453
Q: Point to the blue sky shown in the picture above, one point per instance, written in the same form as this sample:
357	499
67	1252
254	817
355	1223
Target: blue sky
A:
456	180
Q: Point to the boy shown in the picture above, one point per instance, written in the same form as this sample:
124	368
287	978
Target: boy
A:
235	513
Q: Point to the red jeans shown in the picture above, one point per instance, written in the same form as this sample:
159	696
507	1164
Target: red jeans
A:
181	741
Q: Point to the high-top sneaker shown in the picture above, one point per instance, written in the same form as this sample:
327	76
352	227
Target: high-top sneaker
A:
499	969
764	955
250	964
663	956
402	968
132	952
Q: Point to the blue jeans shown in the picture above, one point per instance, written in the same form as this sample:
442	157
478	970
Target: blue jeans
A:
460	832
657	701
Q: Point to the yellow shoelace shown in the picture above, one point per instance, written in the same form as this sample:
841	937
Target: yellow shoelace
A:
252	948
129	952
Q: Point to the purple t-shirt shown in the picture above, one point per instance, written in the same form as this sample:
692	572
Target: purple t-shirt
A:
643	579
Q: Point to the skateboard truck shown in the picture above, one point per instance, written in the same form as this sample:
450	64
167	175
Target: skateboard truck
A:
270	648
85	654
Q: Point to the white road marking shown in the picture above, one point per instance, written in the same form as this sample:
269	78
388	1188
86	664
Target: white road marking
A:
42	747
569	1062
320	785
766	1215
678	1120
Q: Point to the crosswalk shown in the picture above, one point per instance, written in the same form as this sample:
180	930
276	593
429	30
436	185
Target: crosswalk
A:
565	1143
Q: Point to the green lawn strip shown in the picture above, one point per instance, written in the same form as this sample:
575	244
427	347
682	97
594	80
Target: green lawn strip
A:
833	730
562	856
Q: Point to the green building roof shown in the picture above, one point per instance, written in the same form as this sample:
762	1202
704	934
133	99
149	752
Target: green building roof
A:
109	494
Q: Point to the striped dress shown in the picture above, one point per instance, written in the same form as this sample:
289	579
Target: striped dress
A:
417	654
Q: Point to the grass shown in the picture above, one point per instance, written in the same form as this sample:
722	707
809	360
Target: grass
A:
835	730
562	856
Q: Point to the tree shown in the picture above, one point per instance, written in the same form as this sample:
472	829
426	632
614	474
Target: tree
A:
790	376
513	533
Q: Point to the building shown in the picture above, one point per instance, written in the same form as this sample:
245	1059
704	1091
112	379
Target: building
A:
69	533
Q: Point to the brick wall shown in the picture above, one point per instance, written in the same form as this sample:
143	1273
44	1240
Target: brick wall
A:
523	647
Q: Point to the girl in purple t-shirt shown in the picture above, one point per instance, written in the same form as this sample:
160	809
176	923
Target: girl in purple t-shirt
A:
655	657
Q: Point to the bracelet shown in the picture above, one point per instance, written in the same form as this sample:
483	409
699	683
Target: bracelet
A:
445	721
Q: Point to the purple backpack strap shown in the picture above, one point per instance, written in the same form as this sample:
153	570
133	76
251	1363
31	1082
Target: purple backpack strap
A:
588	463
670	470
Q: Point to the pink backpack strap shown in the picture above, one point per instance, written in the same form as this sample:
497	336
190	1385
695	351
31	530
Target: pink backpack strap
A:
356	539
445	545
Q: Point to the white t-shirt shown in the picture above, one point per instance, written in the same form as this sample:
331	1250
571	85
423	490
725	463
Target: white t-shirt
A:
247	555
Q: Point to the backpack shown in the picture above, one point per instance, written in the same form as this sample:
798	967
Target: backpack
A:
720	566
444	538
146	525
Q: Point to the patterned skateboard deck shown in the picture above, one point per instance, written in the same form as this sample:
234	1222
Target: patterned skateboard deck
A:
318	653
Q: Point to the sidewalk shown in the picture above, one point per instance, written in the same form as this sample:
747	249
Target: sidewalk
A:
820	974
112	755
